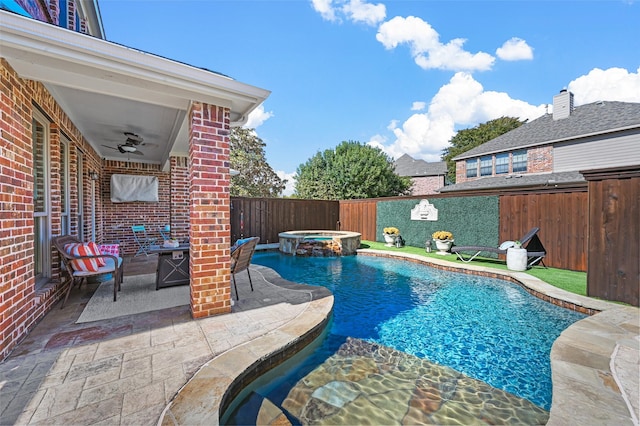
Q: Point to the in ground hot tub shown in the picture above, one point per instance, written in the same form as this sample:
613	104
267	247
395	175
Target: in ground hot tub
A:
319	243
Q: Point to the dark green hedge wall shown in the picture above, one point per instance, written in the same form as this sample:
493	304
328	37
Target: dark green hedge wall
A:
472	220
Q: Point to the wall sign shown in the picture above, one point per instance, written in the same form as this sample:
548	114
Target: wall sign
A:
424	211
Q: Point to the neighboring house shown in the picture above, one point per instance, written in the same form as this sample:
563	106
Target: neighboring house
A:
77	109
426	177
552	149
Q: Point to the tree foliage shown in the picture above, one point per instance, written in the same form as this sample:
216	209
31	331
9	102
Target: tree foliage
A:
256	178
350	171
466	139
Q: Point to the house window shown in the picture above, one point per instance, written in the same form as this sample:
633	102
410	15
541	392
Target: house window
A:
486	166
41	196
62	18
65	227
502	163
519	161
472	168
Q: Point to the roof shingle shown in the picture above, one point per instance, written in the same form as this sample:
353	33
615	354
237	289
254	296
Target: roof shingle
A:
590	119
408	166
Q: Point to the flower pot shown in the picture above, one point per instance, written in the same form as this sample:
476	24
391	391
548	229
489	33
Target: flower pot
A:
390	239
443	246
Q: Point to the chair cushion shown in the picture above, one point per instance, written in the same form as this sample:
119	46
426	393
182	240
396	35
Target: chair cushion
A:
239	243
506	245
109	267
113	249
85	249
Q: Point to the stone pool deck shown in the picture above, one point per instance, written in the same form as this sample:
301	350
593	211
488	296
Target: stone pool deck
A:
165	368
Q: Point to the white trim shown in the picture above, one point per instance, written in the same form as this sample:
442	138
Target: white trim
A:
51	54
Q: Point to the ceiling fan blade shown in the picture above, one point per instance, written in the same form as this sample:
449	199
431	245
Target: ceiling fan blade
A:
133	138
136	152
110	147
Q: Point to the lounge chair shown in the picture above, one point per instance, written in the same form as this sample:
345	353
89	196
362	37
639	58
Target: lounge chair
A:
241	254
530	241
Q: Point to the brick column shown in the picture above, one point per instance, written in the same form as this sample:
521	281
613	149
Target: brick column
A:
209	213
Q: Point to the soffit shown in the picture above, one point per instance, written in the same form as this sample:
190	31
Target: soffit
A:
107	89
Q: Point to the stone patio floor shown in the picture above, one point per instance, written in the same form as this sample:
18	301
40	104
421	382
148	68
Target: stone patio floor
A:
129	370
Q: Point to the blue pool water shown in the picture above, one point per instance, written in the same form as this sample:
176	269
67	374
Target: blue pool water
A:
486	328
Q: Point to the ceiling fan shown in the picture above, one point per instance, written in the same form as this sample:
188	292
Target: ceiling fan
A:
130	146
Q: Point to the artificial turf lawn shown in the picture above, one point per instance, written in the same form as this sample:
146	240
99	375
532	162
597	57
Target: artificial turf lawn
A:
571	281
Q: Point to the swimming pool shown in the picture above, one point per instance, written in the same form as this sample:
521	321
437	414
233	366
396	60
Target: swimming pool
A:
489	329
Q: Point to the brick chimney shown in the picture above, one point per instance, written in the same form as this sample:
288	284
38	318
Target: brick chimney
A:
562	104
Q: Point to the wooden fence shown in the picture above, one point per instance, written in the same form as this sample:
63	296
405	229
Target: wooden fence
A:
267	217
601	222
561	216
614	234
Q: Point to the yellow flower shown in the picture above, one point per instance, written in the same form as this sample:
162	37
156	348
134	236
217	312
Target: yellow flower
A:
442	235
391	231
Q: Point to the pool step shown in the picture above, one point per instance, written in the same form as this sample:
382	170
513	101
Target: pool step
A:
270	414
259	410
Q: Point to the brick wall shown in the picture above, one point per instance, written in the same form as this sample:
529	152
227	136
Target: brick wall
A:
16	192
210	230
426	185
22	304
117	218
461	171
540	159
179	197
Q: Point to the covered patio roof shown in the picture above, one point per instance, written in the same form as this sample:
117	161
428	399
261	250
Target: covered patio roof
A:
108	89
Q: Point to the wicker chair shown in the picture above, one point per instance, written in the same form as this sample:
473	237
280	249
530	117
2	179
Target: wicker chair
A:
113	266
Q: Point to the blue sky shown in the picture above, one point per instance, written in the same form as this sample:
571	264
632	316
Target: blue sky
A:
401	75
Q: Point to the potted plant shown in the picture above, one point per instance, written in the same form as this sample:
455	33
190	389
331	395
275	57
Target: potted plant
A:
390	234
443	240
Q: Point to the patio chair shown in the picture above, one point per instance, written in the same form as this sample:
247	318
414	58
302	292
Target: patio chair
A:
241	254
535	250
142	239
165	231
82	260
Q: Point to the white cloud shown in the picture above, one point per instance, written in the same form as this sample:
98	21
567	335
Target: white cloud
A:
354	10
613	84
426	49
370	14
462	102
418	106
325	9
257	117
291	182
515	49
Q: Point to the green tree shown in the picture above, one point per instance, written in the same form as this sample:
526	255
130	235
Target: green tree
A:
466	139
256	178
350	171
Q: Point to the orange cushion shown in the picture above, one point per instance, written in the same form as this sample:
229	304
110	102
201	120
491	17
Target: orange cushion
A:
85	249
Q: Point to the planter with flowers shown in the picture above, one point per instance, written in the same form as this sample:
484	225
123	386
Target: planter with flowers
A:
443	240
390	234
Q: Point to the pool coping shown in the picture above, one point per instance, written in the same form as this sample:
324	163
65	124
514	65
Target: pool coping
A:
601	369
212	388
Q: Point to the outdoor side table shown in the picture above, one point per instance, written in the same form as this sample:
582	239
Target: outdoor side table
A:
173	265
516	259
